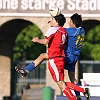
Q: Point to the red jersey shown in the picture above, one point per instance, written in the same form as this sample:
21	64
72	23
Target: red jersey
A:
57	39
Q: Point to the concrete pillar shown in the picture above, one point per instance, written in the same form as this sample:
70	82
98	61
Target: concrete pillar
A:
5	76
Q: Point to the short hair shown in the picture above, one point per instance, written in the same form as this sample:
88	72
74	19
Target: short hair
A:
60	19
77	19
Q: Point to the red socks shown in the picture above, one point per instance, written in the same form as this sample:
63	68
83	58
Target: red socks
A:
69	94
74	87
70	86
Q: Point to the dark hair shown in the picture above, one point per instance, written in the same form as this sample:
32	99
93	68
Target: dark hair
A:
60	19
77	19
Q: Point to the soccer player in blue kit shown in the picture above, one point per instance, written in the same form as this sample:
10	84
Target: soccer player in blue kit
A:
76	35
73	47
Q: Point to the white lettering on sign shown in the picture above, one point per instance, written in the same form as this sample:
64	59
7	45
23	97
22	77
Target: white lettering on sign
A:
92	5
60	4
44	4
83	5
71	5
33	4
14	4
98	5
24	4
40	7
41	4
9	4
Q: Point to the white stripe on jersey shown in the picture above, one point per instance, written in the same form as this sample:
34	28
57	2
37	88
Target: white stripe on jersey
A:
54	68
51	31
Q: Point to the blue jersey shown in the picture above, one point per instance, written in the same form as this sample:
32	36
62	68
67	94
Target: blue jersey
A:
73	47
75	40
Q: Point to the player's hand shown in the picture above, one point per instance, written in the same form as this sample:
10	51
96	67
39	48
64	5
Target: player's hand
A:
35	39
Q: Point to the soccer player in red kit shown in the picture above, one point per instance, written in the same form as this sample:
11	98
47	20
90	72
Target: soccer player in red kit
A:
56	37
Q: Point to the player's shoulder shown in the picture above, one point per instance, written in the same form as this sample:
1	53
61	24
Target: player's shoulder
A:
62	29
70	29
73	30
54	27
51	30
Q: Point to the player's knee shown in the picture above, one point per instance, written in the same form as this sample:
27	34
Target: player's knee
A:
44	56
61	85
73	80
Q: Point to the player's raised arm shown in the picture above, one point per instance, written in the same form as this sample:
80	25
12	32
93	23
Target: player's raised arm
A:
41	41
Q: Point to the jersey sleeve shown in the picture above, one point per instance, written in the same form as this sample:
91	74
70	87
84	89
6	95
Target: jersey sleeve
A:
50	33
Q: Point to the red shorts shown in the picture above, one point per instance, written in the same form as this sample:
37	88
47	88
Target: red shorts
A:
56	68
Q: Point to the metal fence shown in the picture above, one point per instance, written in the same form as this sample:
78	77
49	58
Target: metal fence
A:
88	67
37	76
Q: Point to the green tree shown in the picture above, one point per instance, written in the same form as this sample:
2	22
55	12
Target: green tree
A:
24	48
91	45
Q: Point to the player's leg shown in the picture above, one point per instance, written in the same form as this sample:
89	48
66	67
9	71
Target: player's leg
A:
66	90
71	76
73	80
85	91
70	62
56	68
40	59
33	65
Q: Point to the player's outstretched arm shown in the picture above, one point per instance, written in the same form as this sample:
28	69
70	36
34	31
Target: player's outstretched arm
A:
41	41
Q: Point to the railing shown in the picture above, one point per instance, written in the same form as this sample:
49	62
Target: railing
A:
37	76
89	66
86	66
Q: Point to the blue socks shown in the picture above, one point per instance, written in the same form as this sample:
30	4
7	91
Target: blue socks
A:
29	68
77	92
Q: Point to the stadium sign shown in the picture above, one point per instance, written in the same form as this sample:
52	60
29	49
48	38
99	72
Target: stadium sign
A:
40	8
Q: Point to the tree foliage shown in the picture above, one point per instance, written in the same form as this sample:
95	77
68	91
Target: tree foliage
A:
91	45
24	48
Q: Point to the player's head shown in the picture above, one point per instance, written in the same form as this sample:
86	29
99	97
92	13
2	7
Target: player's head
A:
58	20
75	20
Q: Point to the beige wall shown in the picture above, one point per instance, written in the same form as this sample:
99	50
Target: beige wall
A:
5	76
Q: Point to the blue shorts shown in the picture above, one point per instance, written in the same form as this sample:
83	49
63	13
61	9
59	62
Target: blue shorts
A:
70	62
